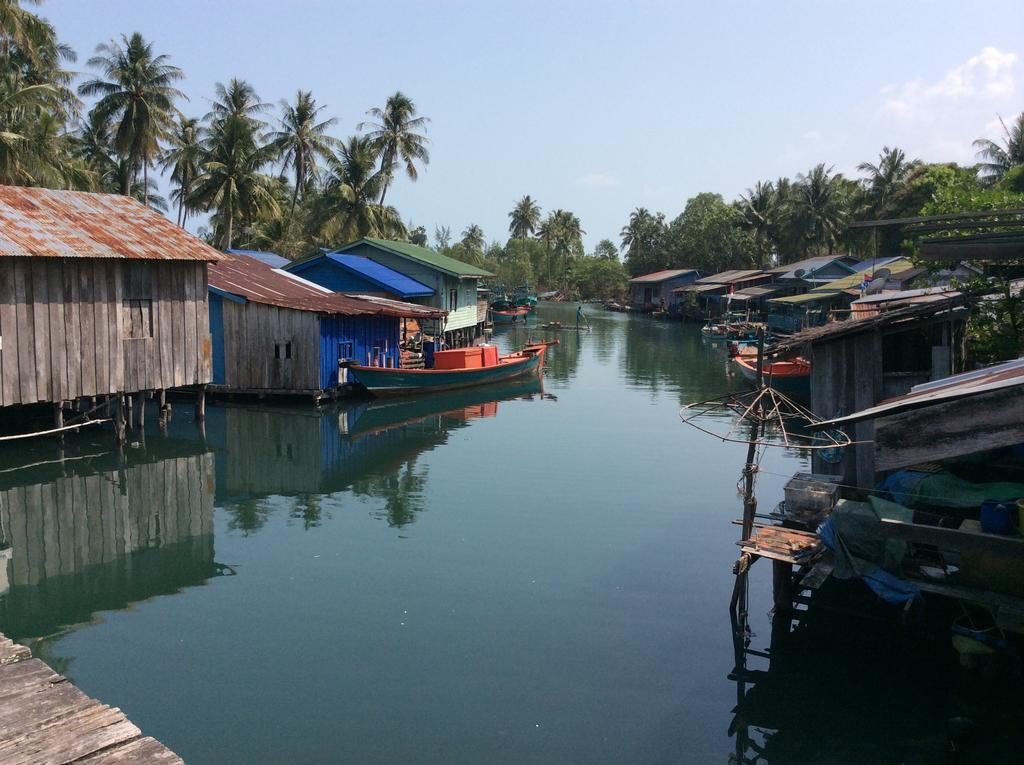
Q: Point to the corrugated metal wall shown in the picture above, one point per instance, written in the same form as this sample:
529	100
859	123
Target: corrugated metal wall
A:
365	339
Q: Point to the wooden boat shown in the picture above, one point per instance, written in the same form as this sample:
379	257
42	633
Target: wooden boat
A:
557	326
789	376
510	315
385	381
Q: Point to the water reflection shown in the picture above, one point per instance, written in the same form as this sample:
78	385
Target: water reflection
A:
89	531
368	447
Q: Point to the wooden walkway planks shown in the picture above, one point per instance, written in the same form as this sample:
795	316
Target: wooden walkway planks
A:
46	719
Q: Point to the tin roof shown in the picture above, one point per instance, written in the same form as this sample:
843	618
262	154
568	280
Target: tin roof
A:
79	224
661	276
753	293
376	273
730	277
270	258
699	288
1008	374
247	278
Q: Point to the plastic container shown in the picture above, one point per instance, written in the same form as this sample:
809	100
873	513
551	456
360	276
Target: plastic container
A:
459	358
490	355
811	492
997	517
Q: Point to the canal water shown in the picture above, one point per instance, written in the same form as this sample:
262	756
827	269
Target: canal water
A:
537	573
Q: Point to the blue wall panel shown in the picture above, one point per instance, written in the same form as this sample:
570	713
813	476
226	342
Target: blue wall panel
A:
335	278
217	332
359	335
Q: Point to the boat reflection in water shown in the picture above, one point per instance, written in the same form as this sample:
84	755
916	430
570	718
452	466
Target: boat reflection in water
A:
82	533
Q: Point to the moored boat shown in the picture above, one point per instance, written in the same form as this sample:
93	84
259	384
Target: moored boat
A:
459	368
788	376
509	315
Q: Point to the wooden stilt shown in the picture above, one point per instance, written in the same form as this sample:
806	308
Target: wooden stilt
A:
126	402
201	404
782	585
140	404
58	419
119	419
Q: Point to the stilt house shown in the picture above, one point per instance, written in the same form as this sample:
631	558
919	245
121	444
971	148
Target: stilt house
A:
99	295
276	333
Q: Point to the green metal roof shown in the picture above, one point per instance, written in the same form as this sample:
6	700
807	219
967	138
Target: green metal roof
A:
807	297
425	256
853	280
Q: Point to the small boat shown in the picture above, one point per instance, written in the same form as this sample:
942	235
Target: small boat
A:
458	368
526	301
510	315
502	304
789	376
557	326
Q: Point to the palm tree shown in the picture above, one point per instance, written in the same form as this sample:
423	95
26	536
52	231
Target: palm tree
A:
18	103
525	217
18	28
473	241
442	237
230	180
138	96
348	206
395	138
820	206
182	158
763	212
997	159
302	139
237	99
886	178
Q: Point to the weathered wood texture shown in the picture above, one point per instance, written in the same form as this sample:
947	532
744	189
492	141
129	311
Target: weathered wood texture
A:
846	376
61	527
46	719
966	426
256	337
83	327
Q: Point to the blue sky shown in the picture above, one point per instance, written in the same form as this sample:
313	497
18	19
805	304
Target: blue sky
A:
601	107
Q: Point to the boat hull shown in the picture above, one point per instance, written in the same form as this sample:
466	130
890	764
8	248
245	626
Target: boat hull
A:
509	317
799	384
384	382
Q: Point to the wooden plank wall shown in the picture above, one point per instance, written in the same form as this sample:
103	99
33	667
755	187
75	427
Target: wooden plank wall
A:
846	376
63	332
250	332
60	527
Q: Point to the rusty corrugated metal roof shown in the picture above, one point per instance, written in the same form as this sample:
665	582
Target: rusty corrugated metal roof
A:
660	276
78	224
1009	374
249	278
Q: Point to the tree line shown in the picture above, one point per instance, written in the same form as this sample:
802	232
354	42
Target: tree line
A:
267	180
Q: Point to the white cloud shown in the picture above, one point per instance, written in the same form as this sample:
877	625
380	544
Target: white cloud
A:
812	135
597	181
988	76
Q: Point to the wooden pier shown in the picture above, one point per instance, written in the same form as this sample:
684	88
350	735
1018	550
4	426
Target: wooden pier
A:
46	719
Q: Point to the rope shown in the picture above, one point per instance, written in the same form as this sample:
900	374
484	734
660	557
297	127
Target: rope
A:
85	424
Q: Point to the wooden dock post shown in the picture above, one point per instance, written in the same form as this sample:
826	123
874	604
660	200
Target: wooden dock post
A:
782	586
140	401
58	419
119	420
201	404
749	501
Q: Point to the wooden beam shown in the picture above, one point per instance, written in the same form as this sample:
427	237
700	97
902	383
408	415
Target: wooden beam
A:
962	426
953	539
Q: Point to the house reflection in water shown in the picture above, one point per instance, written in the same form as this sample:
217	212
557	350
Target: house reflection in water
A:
91	535
370	448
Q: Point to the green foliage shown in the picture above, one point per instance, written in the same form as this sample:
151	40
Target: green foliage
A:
643	239
708	235
606	249
599	277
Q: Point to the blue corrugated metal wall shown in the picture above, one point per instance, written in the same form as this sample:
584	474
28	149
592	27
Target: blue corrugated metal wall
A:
364	333
335	278
217	331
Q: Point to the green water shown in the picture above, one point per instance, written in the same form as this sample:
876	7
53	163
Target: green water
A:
529	574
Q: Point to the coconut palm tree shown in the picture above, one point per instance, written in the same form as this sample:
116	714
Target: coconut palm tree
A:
301	139
231	181
820	206
19	28
395	138
238	99
473	241
136	93
763	212
182	158
997	159
525	217
348	209
884	180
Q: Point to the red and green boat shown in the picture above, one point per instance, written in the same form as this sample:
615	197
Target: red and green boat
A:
458	368
788	376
